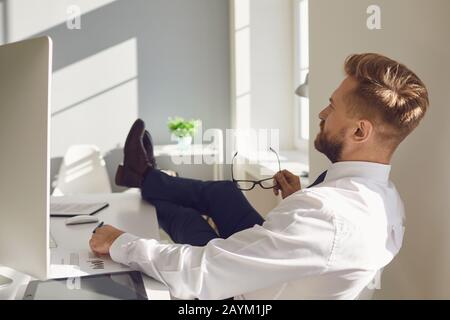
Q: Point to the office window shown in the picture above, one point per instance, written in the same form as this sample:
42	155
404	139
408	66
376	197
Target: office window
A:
242	72
301	70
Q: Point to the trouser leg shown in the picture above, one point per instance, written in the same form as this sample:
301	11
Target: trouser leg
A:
221	200
183	225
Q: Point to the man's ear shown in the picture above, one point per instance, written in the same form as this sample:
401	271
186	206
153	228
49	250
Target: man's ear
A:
363	131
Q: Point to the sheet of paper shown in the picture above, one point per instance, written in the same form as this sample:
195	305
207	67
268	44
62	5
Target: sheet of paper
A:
74	264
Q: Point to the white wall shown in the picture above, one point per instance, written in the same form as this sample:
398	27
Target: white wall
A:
416	33
143	58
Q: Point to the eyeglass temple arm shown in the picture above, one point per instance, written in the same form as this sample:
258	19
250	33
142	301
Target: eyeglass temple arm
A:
232	161
278	158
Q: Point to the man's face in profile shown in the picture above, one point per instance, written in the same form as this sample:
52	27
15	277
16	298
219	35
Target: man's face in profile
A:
335	123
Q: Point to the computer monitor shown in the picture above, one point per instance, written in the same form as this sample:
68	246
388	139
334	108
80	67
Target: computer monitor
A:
25	84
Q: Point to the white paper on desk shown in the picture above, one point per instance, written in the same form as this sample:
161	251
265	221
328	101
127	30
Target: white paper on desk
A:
77	264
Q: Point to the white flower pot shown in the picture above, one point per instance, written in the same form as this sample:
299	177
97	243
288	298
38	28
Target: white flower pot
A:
184	142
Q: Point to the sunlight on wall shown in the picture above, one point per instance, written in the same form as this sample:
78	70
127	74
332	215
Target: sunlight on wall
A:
95	100
27	18
95	74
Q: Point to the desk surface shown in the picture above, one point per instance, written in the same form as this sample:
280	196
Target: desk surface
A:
126	211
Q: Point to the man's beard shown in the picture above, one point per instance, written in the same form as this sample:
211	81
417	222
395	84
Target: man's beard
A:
331	147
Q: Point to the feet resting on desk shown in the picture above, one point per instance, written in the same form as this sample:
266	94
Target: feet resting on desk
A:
137	162
138	157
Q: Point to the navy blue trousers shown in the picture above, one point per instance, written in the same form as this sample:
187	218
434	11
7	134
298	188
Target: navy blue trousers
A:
180	204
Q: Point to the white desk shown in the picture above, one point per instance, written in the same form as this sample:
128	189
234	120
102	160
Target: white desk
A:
126	211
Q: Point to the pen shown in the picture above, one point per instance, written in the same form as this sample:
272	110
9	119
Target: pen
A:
99	226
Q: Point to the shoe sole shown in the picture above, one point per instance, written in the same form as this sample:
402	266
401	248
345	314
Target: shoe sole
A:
122	181
119	176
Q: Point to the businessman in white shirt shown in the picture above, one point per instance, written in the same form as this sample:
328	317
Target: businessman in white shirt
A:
327	241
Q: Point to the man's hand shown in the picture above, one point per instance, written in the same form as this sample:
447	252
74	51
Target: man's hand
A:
103	239
287	182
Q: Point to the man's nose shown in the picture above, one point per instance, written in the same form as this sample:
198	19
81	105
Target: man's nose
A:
323	114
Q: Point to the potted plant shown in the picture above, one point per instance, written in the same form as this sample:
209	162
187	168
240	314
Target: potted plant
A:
183	130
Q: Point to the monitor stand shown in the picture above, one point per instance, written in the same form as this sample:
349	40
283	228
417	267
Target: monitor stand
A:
4	281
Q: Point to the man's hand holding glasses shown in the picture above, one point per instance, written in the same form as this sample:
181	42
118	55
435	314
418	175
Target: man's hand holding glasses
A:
283	181
286	182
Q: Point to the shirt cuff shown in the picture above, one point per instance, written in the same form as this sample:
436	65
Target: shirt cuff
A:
118	250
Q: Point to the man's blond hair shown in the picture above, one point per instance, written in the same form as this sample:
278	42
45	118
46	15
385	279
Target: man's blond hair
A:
387	93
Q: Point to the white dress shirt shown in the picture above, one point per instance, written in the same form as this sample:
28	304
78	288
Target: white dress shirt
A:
325	242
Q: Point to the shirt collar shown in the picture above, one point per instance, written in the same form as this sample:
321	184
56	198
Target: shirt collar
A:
361	169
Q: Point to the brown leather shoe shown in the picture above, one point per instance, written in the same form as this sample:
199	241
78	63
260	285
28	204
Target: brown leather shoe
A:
135	162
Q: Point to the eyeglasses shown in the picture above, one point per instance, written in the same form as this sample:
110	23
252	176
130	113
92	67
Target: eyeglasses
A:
247	185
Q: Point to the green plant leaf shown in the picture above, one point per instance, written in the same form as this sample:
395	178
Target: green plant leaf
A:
181	127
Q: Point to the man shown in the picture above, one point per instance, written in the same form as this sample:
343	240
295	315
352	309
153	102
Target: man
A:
324	242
